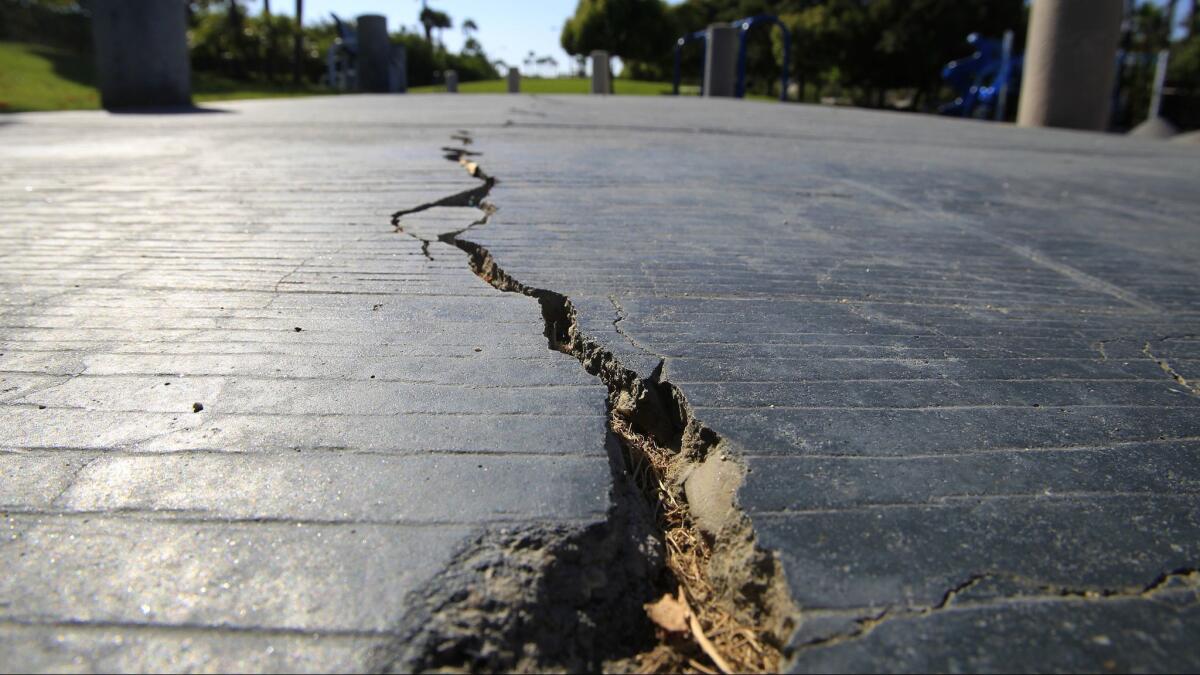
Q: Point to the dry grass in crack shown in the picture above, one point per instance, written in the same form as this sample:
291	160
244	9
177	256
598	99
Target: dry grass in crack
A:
744	648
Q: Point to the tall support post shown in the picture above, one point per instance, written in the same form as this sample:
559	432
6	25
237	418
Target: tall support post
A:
720	61
141	53
374	54
1070	63
601	77
398	70
1160	80
676	73
1005	71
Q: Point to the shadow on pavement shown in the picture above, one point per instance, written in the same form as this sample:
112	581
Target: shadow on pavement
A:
169	110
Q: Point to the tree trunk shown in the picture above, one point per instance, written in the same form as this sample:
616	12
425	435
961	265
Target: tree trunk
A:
235	26
270	55
298	44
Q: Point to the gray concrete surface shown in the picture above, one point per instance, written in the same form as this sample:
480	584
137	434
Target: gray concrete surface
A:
959	360
364	409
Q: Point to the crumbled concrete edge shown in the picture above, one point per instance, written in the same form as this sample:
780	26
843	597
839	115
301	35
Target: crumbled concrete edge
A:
489	609
538	598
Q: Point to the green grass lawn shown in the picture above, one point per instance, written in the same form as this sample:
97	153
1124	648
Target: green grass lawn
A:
33	77
36	77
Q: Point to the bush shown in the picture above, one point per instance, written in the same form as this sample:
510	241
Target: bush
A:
49	22
426	62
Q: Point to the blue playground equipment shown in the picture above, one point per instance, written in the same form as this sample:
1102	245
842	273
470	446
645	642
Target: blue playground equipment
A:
983	80
340	61
743	26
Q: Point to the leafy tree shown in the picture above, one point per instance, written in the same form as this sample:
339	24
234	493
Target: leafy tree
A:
630	29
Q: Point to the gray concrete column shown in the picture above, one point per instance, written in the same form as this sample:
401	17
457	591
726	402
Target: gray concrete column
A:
452	81
601	77
720	60
514	81
399	69
1070	63
374	54
141	53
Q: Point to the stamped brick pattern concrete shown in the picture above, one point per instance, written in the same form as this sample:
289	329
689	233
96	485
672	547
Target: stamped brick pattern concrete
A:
958	359
364	409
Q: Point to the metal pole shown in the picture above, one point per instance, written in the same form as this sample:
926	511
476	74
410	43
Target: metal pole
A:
1005	71
675	80
1160	79
787	61
740	88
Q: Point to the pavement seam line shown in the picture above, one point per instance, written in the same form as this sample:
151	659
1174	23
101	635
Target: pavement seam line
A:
686	472
1184	580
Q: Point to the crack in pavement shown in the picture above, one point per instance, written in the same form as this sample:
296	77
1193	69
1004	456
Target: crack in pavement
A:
1182	581
685	473
620	316
1192	387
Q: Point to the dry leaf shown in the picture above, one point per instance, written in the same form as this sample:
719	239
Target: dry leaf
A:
669	614
698	635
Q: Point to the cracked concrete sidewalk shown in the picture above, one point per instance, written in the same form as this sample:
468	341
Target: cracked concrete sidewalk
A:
894	319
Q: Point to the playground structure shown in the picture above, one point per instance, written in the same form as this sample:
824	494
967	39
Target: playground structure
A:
983	80
342	57
743	26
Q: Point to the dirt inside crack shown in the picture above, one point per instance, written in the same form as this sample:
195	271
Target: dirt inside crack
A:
545	598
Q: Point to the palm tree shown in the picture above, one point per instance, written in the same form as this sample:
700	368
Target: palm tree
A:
468	27
270	55
549	62
432	18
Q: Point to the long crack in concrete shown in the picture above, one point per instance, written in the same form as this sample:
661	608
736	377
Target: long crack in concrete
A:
1178	590
554	598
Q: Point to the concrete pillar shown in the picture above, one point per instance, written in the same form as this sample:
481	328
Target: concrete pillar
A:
601	77
374	54
141	53
399	69
1070	63
720	60
514	81
452	81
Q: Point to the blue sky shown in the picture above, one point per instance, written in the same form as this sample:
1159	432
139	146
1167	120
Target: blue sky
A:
508	30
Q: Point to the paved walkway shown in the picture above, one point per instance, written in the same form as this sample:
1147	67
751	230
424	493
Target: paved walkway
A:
959	361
